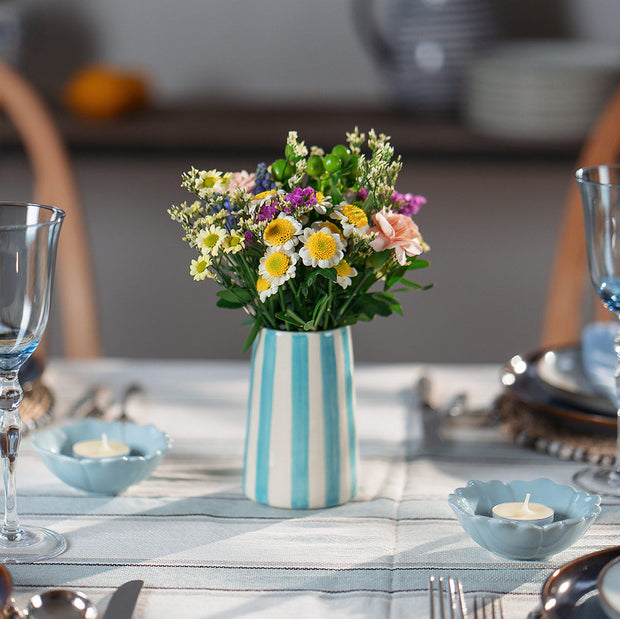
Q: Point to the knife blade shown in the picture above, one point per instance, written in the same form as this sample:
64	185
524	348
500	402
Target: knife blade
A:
431	421
123	600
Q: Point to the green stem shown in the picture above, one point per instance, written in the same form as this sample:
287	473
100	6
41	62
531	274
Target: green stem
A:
353	295
283	305
328	309
296	295
256	304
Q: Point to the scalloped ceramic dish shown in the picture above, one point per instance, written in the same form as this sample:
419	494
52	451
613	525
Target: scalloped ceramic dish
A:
102	475
574	513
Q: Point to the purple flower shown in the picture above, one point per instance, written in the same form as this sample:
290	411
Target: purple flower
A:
300	197
362	194
249	238
267	211
407	203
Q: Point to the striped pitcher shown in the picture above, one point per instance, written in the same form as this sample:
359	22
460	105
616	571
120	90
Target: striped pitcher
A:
301	448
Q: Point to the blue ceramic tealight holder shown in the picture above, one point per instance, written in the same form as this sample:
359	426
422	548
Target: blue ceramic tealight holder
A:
523	540
110	475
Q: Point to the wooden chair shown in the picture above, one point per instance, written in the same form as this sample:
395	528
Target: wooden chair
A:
54	184
564	310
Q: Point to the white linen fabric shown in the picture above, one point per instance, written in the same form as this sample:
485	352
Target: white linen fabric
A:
206	551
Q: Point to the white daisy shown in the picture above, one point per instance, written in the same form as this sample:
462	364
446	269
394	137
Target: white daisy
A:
345	273
277	267
321	248
210	240
282	232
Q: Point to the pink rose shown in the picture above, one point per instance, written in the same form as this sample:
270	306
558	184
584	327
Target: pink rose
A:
243	180
397	232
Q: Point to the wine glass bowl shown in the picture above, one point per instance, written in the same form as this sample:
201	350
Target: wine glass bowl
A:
28	242
600	196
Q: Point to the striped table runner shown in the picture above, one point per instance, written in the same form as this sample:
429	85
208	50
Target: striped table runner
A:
204	550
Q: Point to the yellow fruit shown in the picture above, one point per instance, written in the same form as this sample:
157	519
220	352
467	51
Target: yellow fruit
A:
101	92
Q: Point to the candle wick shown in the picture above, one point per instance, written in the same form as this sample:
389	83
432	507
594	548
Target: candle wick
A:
106	445
526	506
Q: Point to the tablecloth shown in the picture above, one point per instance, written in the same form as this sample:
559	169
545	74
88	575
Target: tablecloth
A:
204	550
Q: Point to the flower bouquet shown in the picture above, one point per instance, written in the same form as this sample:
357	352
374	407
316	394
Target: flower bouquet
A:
300	244
307	246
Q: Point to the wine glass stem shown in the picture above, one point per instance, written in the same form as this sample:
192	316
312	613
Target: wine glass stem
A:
10	436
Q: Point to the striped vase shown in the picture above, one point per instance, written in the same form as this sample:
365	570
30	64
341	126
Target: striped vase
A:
301	449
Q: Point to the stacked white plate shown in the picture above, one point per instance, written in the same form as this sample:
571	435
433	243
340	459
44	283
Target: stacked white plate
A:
549	90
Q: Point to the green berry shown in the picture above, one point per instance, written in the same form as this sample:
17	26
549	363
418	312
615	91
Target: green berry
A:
341	151
281	169
315	166
332	163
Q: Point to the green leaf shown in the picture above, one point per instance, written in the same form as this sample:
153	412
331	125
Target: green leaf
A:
394	276
256	327
230	304
331	274
336	195
236	294
290	317
319	310
378	259
418	263
410	284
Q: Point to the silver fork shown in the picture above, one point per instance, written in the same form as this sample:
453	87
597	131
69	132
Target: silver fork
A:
488	607
128	392
446	599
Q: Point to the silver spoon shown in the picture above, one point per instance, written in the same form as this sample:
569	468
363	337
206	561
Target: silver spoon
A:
55	604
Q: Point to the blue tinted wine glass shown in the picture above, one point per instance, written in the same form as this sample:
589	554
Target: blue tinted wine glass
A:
28	241
600	196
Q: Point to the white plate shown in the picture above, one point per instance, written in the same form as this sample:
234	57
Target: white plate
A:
562	371
609	588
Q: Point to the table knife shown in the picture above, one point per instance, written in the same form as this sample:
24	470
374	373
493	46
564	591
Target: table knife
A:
123	600
431	420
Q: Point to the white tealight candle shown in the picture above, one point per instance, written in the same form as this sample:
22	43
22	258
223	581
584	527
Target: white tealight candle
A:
535	513
100	448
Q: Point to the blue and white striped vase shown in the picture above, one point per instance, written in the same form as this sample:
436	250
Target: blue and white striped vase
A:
301	447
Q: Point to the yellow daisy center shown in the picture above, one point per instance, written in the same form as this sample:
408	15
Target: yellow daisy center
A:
201	266
322	245
355	215
233	241
277	264
319	197
264	194
279	231
211	240
343	268
262	284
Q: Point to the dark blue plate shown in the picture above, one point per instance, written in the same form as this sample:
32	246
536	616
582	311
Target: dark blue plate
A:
571	592
523	385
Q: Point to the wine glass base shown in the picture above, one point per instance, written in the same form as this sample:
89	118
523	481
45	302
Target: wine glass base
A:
600	480
31	544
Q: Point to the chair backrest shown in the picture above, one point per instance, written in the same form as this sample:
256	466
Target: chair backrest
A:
54	184
563	319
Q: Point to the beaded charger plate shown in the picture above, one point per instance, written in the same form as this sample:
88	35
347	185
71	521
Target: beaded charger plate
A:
540	416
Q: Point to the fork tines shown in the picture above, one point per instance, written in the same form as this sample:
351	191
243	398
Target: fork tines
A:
446	598
488	607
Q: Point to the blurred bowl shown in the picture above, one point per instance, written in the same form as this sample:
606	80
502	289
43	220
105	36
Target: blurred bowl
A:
102	475
574	513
